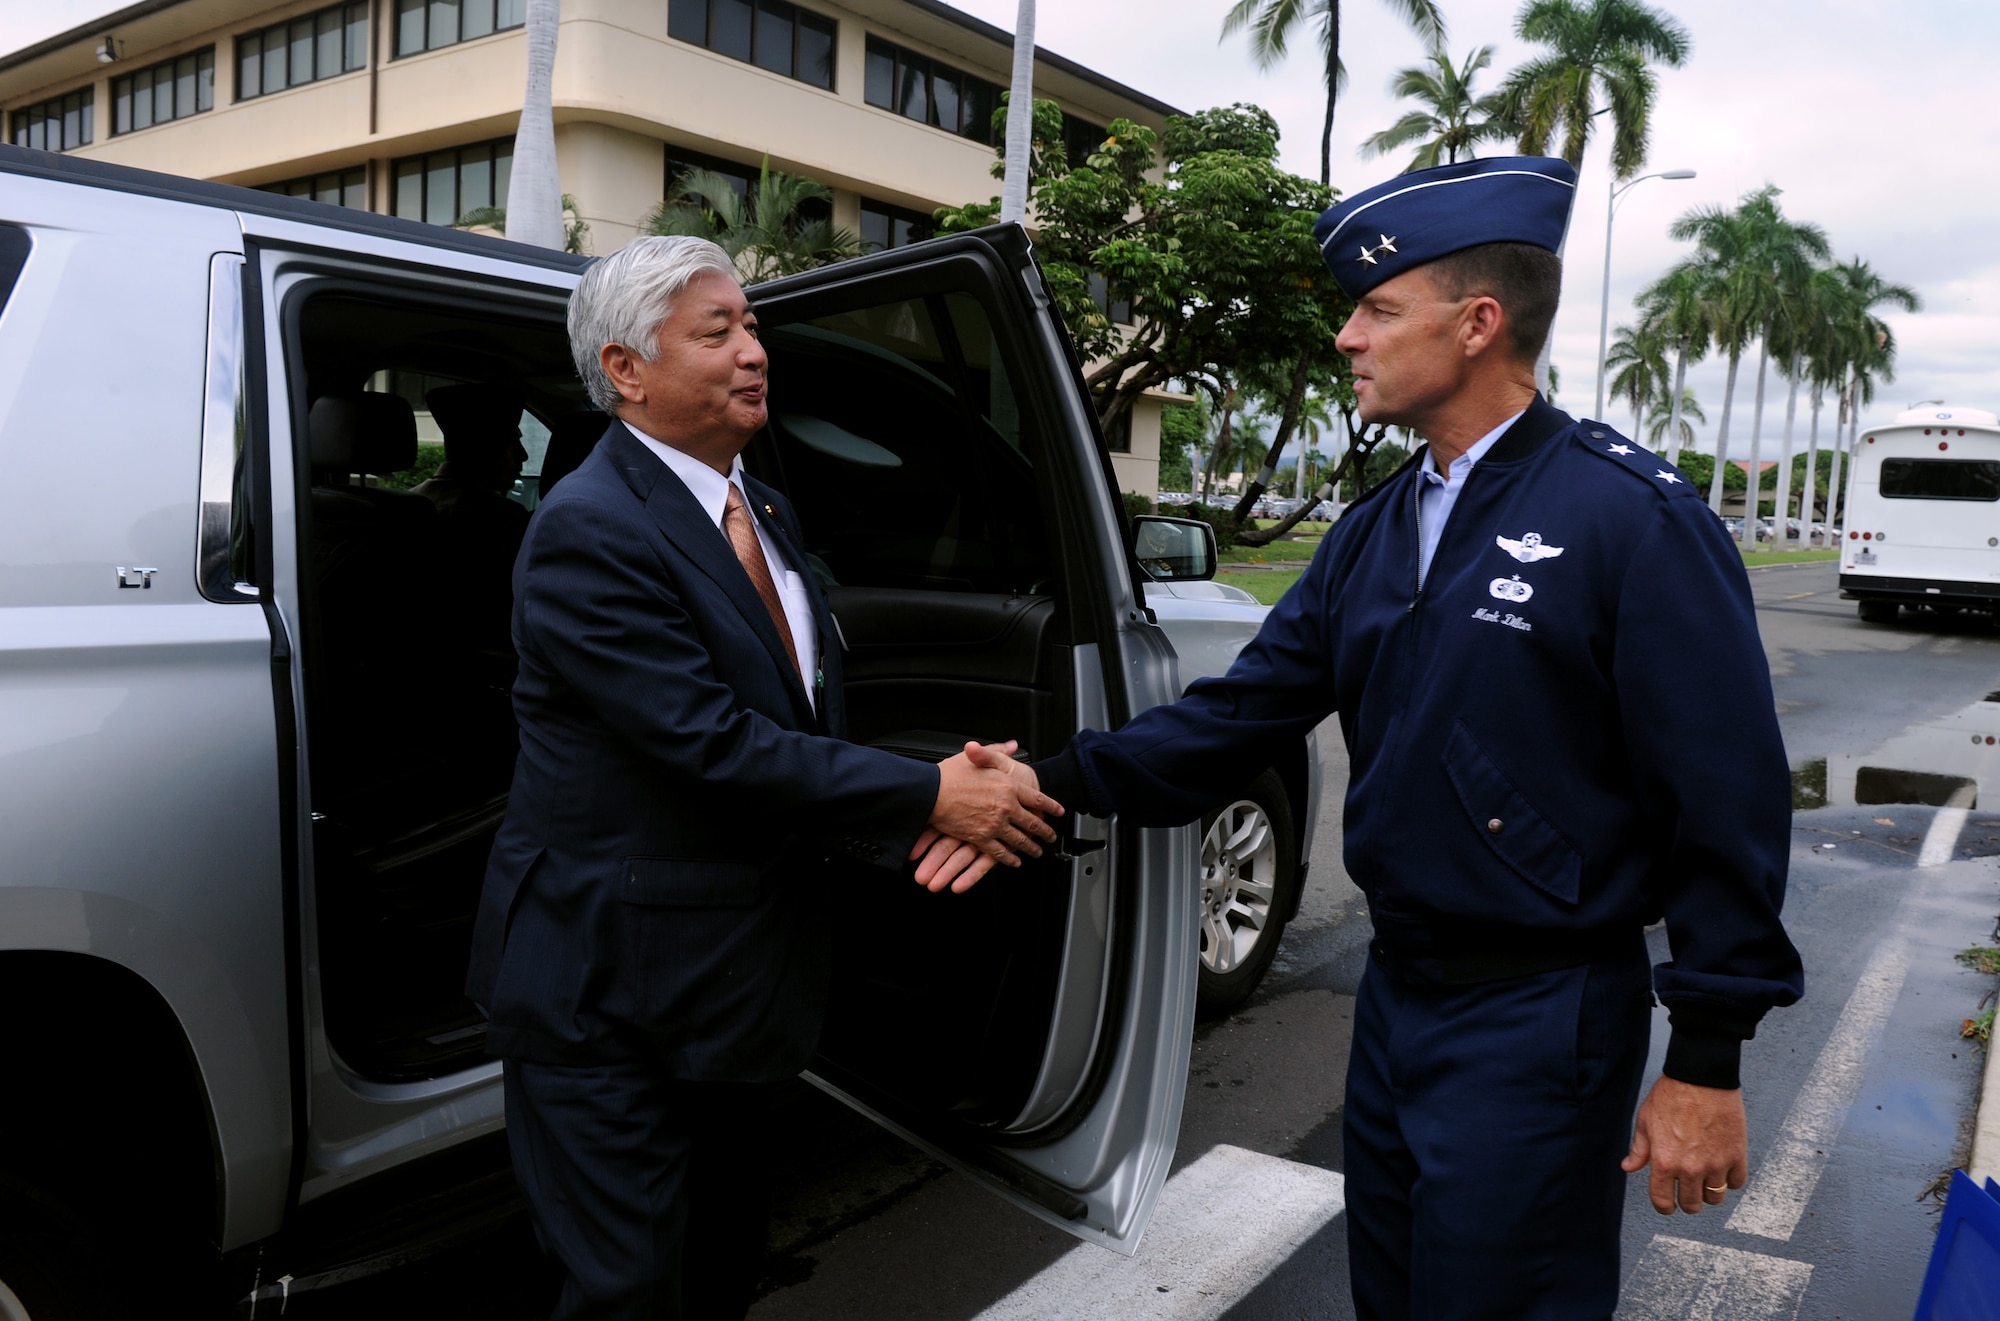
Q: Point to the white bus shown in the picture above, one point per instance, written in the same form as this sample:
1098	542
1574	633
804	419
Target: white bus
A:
1922	525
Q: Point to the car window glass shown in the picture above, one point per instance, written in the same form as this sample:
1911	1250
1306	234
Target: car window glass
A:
1941	479
897	438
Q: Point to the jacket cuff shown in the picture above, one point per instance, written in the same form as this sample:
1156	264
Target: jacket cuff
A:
1061	778
1703	1056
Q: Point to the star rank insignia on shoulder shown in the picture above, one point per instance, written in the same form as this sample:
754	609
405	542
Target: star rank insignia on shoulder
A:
1641	462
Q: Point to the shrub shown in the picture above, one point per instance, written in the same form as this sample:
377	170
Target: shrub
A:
1136	504
1218	517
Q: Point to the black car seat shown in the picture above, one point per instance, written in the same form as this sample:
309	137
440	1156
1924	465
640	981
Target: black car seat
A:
571	440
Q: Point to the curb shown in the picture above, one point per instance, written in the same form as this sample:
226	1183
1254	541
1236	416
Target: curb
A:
1986	1125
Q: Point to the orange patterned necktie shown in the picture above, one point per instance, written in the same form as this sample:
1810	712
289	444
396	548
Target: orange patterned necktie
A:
742	534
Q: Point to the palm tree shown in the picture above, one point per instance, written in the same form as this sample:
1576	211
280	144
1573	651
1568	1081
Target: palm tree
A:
1638	360
1864	351
534	194
762	229
1670	432
1452	120
575	228
1594	46
1273	23
1679	309
1761	262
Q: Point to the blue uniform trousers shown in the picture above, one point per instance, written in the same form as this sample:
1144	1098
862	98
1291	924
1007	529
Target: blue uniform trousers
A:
652	1192
1483	1129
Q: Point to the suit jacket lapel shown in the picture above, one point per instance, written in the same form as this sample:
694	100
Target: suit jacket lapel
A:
770	507
689	527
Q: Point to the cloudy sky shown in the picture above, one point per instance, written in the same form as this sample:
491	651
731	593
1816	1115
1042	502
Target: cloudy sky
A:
1875	120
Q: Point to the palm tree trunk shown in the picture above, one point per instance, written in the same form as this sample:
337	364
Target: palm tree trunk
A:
1833	473
1781	508
1809	498
1722	432
1674	409
1753	495
1332	90
1020	118
534	193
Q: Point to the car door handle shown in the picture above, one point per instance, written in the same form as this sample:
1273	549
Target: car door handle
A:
1090	835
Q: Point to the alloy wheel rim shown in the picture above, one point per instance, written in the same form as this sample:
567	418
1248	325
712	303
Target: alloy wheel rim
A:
1239	865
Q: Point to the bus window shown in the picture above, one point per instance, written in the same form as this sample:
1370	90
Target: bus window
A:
1941	479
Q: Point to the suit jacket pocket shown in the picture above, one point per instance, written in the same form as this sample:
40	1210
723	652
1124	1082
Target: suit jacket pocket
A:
691	883
1511	826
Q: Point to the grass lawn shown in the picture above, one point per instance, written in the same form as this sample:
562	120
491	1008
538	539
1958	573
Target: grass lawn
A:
1267	585
1758	558
1278	552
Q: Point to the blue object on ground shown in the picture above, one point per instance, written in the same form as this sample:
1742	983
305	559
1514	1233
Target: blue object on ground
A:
1963	1282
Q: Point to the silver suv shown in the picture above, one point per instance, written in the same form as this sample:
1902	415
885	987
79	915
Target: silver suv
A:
255	734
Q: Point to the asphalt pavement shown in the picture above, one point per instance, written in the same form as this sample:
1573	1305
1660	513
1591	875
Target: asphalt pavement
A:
1860	1098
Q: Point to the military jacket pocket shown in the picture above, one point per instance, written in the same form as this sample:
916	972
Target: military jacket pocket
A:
691	883
1501	815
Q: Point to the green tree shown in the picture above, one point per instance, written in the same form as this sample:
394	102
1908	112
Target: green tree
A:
1451	120
1765	261
1272	24
1671	431
1598	61
1183	429
1679	307
1212	243
1637	359
1862	352
763	229
576	230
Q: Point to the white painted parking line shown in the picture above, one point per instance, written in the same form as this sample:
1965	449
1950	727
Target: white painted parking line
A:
1681	1280
1946	826
1781	1186
1222	1225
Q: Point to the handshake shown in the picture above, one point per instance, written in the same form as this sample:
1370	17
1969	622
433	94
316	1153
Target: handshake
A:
990	808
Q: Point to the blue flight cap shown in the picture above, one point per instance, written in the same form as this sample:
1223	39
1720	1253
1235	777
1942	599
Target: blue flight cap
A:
1414	218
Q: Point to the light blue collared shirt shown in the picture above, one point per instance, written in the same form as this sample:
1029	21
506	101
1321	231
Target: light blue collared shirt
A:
1436	495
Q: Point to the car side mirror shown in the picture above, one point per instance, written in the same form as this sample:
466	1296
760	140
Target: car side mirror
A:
1173	550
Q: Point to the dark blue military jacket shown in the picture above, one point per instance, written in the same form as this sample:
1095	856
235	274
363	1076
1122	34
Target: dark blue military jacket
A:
1566	732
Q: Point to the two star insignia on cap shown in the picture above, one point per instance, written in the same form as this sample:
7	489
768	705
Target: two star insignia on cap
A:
1388	244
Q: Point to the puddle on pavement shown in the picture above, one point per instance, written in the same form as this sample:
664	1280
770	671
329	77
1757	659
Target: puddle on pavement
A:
1953	761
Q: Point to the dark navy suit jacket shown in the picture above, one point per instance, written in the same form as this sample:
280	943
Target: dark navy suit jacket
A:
1568	729
657	889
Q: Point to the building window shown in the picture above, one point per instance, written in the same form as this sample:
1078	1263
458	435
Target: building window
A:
1082	139
771	34
172	89
305	50
441	186
339	187
423	25
884	226
1113	303
920	88
740	178
1118	436
61	123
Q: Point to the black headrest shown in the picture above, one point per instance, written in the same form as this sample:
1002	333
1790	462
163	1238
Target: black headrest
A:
571	440
362	432
477	419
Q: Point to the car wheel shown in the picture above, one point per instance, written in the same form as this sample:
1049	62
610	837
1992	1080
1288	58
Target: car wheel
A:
1879	612
48	1268
1249	883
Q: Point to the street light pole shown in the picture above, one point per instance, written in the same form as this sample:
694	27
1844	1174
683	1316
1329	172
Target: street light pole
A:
1612	193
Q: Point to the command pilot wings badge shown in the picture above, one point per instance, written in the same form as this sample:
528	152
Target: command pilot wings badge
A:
1529	548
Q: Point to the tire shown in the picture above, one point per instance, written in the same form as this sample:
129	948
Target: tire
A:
50	1267
1879	612
1249	884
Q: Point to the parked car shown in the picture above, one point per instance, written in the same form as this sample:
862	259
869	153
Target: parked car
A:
253	773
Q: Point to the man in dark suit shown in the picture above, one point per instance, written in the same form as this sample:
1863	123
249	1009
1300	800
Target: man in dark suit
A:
651	947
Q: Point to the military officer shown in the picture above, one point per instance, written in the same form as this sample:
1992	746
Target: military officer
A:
1560	728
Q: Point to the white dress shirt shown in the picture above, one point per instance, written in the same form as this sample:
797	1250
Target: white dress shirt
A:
711	491
1437	494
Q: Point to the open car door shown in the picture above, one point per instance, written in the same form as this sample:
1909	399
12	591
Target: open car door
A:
929	425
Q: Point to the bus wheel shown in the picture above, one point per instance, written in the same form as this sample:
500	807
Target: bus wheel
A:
1879	612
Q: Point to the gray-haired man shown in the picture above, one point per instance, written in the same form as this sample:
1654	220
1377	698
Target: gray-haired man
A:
651	946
